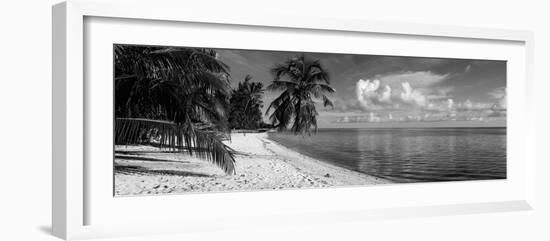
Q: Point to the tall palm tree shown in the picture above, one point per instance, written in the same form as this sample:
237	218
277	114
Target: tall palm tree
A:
253	91
302	82
246	103
175	98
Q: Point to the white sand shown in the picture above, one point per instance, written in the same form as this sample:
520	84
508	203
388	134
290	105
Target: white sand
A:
260	164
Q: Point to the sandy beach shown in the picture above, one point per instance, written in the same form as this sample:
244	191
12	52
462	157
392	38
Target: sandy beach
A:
260	164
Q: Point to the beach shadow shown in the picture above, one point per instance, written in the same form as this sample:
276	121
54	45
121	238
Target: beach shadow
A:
141	158
160	149
139	170
149	152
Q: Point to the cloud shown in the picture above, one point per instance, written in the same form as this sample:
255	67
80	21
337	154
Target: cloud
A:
468	68
371	117
469	105
385	96
412	96
418	96
499	94
376	95
370	95
446	107
450	103
498	109
418	79
434	111
439	93
409	103
398	89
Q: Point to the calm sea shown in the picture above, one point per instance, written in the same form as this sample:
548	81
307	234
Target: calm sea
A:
408	155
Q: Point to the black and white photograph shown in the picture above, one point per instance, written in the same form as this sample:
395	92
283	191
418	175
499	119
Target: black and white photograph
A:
195	120
271	121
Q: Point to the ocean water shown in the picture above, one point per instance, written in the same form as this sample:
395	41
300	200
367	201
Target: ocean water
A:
408	155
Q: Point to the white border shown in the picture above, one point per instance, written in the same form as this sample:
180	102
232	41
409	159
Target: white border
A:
68	121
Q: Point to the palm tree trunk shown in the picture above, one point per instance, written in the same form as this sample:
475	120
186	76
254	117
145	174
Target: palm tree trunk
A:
297	118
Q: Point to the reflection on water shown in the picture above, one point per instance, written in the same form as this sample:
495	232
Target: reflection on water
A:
409	155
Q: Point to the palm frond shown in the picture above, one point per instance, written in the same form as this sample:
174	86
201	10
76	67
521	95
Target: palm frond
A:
199	79
175	97
175	58
247	78
318	73
197	141
289	70
327	101
278	101
305	117
283	112
319	90
302	81
281	85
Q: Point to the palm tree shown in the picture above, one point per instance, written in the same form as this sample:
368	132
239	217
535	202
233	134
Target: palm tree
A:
254	92
302	82
174	98
246	103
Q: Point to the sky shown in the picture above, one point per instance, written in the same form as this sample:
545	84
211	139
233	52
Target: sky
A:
392	91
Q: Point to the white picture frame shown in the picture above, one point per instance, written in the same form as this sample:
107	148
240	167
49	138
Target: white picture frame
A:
72	192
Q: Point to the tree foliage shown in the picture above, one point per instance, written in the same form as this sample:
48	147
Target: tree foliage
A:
302	83
245	105
174	97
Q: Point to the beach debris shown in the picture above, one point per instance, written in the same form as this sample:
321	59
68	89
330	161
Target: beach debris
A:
327	175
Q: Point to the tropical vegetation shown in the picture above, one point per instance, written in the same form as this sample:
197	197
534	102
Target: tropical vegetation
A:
302	82
175	98
180	99
245	105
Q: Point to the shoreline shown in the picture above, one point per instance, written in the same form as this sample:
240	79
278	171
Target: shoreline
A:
261	164
298	159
